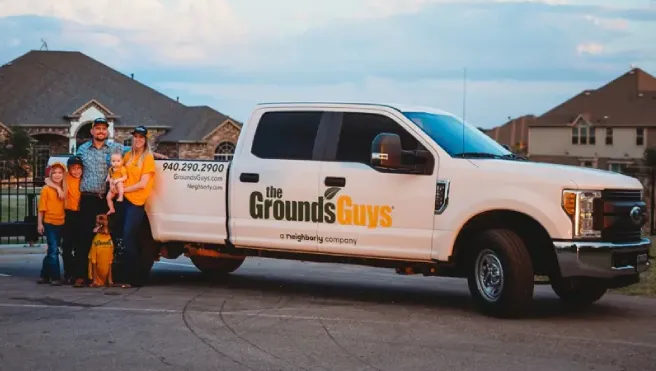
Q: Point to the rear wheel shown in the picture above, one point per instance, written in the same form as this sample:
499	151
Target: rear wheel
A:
216	267
500	274
578	292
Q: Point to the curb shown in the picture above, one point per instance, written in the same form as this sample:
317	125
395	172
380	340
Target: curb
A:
20	250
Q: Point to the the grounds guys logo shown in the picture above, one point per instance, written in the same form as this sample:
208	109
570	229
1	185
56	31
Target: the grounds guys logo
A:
327	209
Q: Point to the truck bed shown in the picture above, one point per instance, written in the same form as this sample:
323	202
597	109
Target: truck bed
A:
189	200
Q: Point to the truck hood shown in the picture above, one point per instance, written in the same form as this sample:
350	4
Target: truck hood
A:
584	178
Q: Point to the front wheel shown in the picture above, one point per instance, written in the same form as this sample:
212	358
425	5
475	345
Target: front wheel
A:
216	267
500	274
578	292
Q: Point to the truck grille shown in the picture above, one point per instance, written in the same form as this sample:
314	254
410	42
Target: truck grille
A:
612	214
621	195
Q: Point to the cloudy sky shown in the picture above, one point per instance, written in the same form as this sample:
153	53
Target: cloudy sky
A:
521	57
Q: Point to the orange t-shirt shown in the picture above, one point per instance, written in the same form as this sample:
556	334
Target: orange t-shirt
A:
52	206
120	173
72	201
134	175
101	253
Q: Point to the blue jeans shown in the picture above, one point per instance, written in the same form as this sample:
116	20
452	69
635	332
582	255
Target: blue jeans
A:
50	267
132	219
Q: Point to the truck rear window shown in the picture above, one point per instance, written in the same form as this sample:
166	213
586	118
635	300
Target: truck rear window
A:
286	135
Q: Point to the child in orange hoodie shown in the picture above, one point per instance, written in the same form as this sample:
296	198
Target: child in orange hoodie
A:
50	222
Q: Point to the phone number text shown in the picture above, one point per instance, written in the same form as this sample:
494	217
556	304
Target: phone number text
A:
193	166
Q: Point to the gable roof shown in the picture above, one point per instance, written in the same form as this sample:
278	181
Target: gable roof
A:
204	117
47	87
629	100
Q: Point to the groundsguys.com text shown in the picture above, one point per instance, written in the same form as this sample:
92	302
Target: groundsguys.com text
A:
300	237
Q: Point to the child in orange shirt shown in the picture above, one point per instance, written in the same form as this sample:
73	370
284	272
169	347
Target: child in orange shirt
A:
50	222
116	176
71	230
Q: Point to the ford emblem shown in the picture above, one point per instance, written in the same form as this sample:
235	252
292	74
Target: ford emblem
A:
636	214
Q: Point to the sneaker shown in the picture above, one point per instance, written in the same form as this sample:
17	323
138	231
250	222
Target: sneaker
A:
42	281
56	283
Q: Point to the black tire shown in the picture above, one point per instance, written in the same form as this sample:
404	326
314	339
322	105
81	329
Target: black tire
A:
216	267
505	249
579	293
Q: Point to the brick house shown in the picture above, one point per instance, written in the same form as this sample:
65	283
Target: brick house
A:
54	96
606	128
513	133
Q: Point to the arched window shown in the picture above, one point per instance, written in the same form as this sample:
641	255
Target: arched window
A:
224	151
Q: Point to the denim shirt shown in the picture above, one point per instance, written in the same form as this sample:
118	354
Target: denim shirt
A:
96	163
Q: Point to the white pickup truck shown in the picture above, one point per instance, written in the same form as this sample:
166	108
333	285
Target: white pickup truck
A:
407	188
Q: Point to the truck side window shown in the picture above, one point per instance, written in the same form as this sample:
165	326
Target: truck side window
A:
360	129
286	135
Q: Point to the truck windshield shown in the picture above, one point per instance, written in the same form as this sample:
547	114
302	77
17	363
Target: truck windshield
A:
447	131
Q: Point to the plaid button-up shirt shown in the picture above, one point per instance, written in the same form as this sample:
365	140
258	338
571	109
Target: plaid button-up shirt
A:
96	162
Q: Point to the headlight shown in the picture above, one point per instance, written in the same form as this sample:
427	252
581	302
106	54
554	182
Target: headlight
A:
579	206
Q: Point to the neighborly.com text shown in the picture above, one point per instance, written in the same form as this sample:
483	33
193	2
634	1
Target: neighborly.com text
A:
300	237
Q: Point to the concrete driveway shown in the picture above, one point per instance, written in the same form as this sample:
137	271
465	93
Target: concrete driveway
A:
281	315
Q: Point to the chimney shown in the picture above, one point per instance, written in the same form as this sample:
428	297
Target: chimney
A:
177	99
132	76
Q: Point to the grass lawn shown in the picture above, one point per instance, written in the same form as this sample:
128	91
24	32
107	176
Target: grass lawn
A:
13	208
647	285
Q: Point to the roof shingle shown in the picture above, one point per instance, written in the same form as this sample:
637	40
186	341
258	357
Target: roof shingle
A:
44	87
629	101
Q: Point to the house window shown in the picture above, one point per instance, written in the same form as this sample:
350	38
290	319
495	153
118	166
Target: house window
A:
640	136
128	142
583	134
224	151
618	168
592	139
609	136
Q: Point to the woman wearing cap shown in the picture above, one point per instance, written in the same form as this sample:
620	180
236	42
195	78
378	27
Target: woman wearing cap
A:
50	223
140	164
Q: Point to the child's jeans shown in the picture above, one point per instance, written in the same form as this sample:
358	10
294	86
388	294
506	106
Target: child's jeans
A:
50	268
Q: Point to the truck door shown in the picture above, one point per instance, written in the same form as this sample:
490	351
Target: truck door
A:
375	213
274	186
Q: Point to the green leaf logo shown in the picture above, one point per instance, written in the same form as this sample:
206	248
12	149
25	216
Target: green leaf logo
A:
331	192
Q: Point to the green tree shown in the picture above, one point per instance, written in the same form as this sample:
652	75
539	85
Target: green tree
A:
15	152
649	159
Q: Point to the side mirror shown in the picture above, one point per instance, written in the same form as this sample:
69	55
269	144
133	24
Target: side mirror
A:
506	147
386	151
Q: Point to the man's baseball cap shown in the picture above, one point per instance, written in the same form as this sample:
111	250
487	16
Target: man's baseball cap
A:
140	130
99	121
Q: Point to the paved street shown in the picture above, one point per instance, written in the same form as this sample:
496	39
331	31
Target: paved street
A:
280	315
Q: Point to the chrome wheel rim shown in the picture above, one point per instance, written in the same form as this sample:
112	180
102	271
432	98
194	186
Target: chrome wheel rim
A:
489	275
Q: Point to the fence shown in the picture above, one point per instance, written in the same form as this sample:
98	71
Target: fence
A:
19	196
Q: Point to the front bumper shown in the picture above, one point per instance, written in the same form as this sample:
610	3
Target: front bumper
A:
602	259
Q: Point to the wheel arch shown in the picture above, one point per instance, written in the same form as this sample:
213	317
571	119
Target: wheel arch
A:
534	235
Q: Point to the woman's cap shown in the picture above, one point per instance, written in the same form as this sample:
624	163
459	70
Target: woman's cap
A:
140	130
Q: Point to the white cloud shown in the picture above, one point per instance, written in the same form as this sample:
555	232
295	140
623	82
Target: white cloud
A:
590	48
610	24
205	31
183	30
